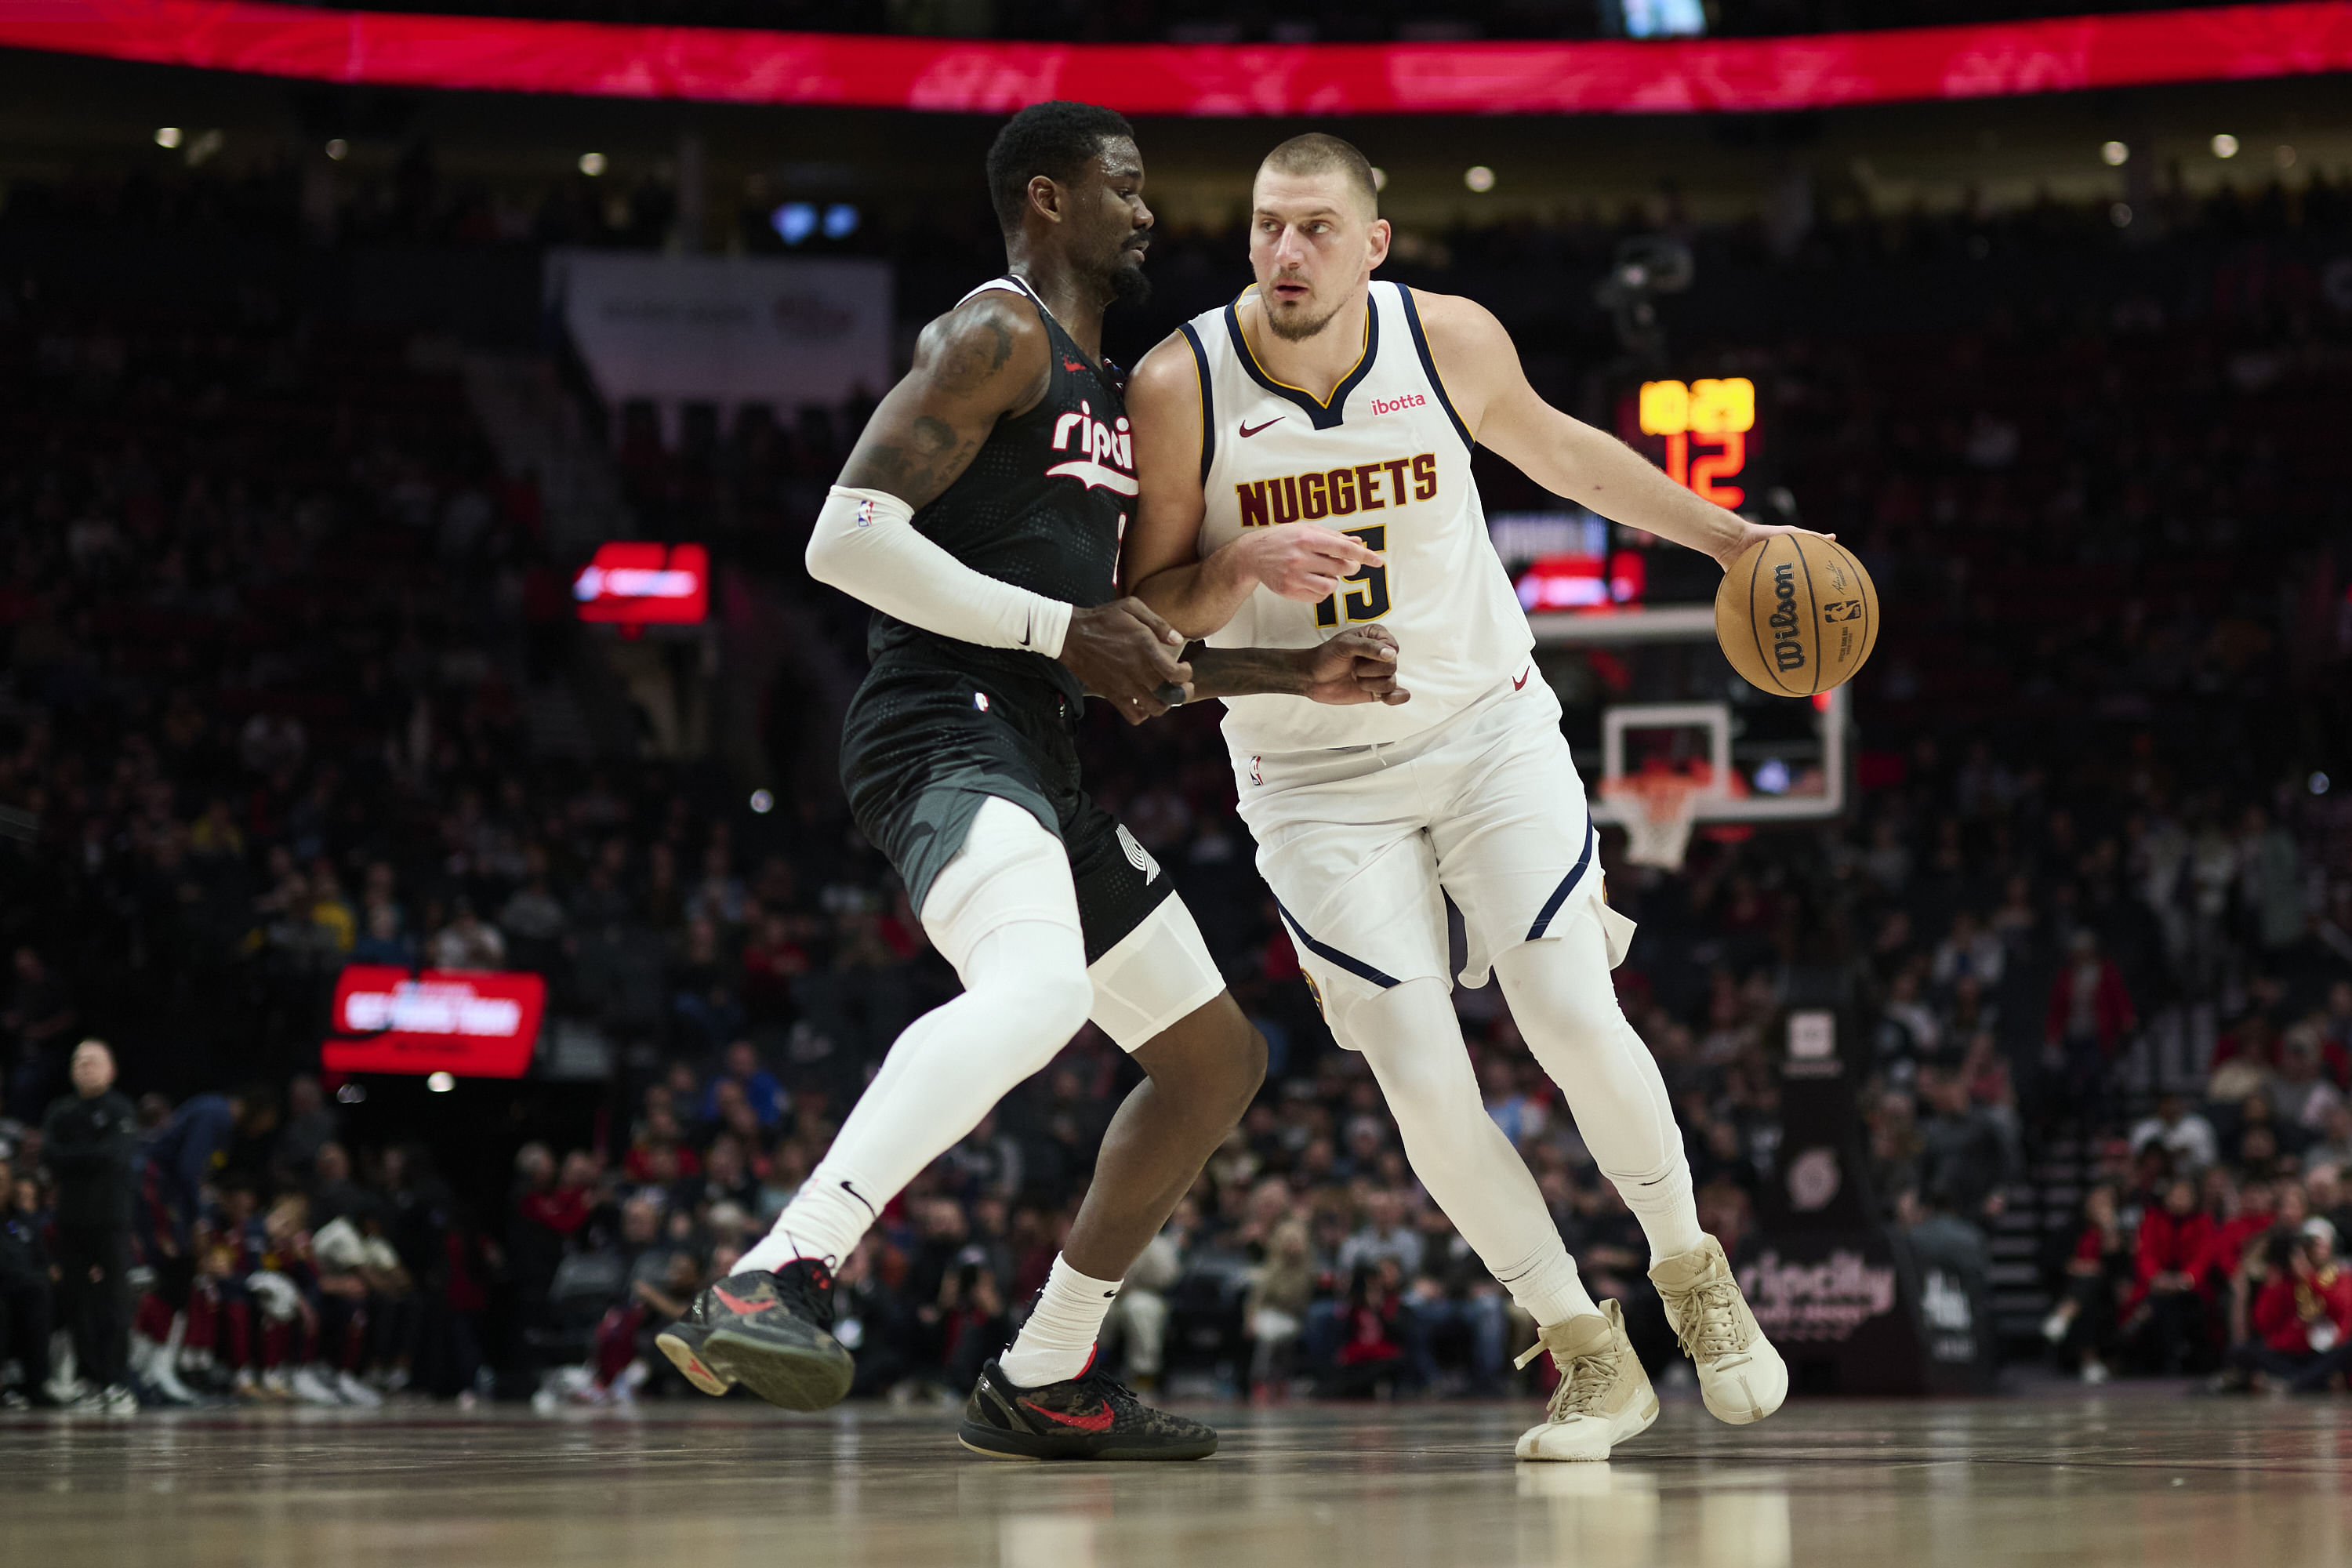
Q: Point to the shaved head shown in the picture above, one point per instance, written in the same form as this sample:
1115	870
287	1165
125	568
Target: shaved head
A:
1317	153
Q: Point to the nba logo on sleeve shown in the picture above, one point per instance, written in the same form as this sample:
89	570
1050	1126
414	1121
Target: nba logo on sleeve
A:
980	700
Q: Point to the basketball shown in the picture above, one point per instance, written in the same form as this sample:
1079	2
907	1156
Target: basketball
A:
1796	614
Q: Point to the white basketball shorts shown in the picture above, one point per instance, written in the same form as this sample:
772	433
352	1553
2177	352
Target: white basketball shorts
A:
1362	845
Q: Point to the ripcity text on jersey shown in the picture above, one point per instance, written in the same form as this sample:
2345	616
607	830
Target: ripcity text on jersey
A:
1042	505
1388	460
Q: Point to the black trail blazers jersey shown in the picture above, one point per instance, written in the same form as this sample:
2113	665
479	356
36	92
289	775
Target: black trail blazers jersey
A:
941	726
1043	506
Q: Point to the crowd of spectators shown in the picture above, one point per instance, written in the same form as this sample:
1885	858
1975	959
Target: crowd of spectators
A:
272	612
399	190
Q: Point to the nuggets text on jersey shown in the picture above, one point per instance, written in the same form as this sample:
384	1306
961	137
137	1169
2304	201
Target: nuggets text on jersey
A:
1337	492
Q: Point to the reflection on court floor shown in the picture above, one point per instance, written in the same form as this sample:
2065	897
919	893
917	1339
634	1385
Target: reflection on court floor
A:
2136	1477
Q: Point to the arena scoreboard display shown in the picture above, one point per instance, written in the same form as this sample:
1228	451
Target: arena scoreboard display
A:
1703	434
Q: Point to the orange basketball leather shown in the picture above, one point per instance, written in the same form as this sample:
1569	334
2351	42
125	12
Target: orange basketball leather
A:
1796	614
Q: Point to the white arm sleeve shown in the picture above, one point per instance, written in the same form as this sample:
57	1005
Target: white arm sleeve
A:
865	544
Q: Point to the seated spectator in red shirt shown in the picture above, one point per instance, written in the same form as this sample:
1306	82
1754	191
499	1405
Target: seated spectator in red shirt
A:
2256	1212
2104	1265
2167	1308
2301	1318
660	1155
1371	1332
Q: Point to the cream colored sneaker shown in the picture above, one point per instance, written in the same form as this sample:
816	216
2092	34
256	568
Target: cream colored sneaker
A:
1604	1395
1740	1377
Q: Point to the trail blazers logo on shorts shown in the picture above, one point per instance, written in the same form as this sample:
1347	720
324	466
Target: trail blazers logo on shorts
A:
1339	492
1138	855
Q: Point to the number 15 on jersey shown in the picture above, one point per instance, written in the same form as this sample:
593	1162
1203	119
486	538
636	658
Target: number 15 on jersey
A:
1368	602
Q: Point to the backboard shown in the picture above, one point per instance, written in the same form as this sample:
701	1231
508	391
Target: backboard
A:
1646	681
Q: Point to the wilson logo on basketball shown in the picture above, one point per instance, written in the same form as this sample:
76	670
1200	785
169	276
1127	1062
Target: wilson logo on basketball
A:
1340	492
1788	640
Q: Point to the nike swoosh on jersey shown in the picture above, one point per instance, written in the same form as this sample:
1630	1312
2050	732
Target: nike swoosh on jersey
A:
1088	472
1099	1423
1250	430
1522	680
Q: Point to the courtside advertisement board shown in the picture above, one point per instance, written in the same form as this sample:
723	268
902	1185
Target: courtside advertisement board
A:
472	1024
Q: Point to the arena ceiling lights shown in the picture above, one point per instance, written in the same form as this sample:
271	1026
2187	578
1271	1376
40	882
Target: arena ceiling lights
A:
967	76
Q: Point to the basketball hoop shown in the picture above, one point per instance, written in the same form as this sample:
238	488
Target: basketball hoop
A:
1656	808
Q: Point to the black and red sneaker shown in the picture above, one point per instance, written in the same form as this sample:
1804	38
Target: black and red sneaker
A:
1089	1416
771	1333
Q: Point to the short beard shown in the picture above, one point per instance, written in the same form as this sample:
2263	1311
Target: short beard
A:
1129	285
1298	333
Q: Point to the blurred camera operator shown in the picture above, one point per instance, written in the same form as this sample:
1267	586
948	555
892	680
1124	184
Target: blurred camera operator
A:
2302	1315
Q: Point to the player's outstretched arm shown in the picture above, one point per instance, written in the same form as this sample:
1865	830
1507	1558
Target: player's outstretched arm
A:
1480	367
1161	559
984	359
1359	665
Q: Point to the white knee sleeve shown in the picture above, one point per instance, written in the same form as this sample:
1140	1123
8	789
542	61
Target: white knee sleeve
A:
1006	911
1010	868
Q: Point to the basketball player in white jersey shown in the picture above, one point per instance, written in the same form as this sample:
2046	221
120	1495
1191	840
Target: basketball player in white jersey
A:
1304	455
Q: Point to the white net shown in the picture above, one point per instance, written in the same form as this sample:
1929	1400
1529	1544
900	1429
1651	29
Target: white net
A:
1656	810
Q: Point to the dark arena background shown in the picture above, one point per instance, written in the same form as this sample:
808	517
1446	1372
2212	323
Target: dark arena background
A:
419	740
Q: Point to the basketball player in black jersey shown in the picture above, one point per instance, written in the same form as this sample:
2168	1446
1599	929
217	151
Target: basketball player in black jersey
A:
980	515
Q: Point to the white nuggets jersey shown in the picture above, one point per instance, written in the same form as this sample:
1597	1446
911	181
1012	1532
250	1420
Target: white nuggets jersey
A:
1387	461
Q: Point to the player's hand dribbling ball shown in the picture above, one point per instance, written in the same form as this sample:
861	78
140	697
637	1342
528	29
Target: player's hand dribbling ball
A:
1796	614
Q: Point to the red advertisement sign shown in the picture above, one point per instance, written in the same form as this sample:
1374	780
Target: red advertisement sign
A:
472	1024
968	75
1584	582
635	584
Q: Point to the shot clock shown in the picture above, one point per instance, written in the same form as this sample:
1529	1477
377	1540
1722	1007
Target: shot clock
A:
1702	431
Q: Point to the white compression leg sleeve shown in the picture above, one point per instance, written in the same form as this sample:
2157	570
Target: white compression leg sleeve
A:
1564	1005
1412	1042
1005	913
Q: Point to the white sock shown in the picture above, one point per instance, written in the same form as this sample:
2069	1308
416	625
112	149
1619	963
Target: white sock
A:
1663	1204
1549	1286
1059	1338
825	1220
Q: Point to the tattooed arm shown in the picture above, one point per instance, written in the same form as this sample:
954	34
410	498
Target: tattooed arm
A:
982	360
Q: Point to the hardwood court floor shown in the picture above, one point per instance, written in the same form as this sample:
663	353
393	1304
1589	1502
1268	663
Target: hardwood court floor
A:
2121	1477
